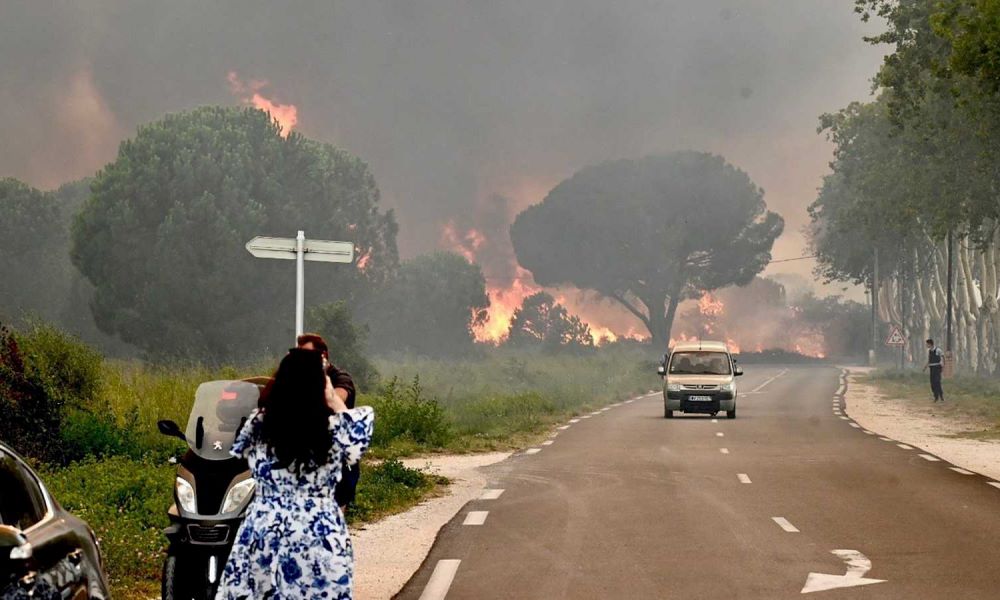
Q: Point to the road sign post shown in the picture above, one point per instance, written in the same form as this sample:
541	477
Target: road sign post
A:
300	250
896	338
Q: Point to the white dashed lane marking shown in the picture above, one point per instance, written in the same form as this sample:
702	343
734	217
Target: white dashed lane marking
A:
490	494
930	458
441	578
784	524
719	434
715	420
724	450
961	471
743	477
763	385
476	517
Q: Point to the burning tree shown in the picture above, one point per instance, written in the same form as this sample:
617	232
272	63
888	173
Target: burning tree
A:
649	233
541	321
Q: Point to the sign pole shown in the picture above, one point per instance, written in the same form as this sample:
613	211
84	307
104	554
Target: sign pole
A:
300	282
300	250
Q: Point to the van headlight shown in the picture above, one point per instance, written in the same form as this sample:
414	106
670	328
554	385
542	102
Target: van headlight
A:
185	496
673	387
237	495
727	387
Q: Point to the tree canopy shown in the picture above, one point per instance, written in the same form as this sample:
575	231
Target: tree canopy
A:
542	322
162	236
649	232
429	308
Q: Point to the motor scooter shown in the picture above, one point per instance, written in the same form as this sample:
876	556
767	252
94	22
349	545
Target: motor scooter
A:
212	489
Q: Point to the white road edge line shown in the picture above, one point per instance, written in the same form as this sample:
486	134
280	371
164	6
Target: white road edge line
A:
490	494
743	477
476	517
563	428
905	447
532	450
961	471
930	458
761	386
844	418
855	425
574	420
994	484
885	439
784	524
547	443
441	578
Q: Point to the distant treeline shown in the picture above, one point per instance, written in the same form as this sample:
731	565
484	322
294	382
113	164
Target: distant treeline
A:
918	166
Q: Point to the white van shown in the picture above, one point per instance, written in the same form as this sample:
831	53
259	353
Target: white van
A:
700	377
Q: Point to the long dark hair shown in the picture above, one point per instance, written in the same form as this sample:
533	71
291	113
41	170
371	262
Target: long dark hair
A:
295	414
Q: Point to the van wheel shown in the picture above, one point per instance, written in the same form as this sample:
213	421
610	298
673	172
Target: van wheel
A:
731	414
668	414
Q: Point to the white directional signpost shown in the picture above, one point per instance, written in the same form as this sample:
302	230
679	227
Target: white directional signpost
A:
300	250
858	566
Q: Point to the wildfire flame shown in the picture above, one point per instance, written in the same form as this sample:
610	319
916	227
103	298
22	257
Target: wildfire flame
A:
710	306
287	115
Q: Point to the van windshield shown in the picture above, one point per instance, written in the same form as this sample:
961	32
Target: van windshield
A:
700	363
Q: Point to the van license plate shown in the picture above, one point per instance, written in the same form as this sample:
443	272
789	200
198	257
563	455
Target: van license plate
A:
700	398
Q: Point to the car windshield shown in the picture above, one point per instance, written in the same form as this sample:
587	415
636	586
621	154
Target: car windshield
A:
220	409
699	363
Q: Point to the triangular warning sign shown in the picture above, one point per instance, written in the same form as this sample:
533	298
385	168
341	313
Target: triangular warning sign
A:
895	337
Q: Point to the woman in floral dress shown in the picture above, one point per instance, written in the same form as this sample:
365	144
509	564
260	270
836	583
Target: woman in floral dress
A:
294	543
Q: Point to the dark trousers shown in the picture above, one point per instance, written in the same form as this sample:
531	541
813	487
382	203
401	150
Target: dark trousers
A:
936	383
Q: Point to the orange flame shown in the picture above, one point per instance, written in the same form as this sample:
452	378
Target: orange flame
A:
710	306
287	115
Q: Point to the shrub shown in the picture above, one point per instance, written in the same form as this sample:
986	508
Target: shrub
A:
403	414
387	488
43	374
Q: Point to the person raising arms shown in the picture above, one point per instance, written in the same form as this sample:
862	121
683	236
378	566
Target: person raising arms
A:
294	542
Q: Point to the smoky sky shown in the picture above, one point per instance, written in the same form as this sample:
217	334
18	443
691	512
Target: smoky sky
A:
450	102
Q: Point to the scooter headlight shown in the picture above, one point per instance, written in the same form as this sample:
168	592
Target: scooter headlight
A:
673	387
185	496
237	495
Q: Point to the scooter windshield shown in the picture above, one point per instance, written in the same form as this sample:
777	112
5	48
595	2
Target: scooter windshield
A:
220	410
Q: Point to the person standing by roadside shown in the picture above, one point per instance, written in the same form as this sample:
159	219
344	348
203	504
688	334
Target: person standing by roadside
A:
935	362
294	541
343	386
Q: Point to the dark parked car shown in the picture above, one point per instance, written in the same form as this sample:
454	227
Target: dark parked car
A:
45	552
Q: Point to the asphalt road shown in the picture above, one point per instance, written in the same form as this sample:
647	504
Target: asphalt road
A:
627	504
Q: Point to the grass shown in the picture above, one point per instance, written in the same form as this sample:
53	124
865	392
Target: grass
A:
125	502
968	398
121	484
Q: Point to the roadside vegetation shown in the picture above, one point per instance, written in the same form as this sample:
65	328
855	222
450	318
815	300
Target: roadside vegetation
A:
971	398
89	424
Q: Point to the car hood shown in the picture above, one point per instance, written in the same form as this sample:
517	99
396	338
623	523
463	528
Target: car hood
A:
700	379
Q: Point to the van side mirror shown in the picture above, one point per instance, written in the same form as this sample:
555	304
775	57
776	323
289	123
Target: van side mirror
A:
170	428
737	372
661	370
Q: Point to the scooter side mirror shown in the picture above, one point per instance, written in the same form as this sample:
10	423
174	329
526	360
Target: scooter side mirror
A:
168	427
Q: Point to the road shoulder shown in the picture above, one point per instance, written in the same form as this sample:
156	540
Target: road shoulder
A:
920	426
389	551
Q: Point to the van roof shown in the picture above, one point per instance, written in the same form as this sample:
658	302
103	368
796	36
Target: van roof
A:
700	345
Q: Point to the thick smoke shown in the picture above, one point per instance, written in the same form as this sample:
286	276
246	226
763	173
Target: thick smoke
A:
453	103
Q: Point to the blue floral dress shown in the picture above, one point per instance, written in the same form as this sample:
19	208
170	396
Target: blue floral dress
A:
294	542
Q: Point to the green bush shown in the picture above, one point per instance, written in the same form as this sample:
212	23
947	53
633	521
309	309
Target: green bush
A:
125	502
405	416
43	374
387	488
